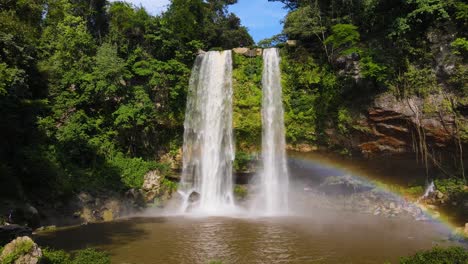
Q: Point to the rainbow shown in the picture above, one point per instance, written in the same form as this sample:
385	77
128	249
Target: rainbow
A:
332	167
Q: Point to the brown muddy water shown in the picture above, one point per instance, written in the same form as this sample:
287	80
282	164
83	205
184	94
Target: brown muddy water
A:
313	234
322	237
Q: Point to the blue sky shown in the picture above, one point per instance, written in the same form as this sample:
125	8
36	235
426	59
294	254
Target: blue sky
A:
261	17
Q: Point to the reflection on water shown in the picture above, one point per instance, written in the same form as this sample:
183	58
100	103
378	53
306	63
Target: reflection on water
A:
317	234
326	237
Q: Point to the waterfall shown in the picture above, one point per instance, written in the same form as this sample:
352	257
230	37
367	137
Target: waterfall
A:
429	190
274	179
208	150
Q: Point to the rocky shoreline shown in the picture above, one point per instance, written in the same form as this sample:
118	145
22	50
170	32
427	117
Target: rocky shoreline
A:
335	192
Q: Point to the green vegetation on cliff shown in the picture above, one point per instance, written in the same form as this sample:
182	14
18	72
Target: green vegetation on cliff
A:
343	55
92	92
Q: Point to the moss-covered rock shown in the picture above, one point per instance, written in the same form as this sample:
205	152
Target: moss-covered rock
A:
21	251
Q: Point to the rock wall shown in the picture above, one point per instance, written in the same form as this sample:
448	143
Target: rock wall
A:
394	126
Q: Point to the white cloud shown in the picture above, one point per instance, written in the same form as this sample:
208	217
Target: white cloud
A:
154	7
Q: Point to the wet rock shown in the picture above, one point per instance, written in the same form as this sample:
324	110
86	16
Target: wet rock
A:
85	198
194	197
46	228
302	147
23	251
108	215
10	232
439	195
20	213
136	197
248	52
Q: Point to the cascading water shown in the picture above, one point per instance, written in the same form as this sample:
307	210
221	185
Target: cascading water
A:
274	179
208	150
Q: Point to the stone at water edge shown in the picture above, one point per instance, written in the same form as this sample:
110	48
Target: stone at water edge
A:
466	229
439	194
31	252
194	197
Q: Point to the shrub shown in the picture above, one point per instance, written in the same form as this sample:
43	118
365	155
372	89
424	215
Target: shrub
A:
133	170
242	160
240	192
450	186
450	255
90	256
86	256
50	256
169	185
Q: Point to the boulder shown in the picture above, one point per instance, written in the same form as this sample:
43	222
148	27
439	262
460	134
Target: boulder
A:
10	232
291	42
22	250
151	185
20	213
152	181
248	52
194	197
136	197
241	51
259	52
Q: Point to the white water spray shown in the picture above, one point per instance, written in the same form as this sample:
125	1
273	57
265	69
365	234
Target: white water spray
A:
208	150
429	189
274	179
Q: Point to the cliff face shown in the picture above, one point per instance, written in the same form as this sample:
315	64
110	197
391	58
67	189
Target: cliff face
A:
398	126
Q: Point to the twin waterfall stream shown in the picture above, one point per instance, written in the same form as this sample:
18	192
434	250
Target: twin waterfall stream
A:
208	150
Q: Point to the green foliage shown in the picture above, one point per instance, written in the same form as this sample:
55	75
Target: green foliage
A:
301	82
415	81
19	250
450	186
90	256
343	38
132	170
344	120
240	192
415	191
304	23
450	255
371	69
242	161
274	41
50	256
86	256
247	76
92	91
169	185
460	46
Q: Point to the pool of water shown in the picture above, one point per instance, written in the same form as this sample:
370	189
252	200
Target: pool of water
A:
321	237
319	228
